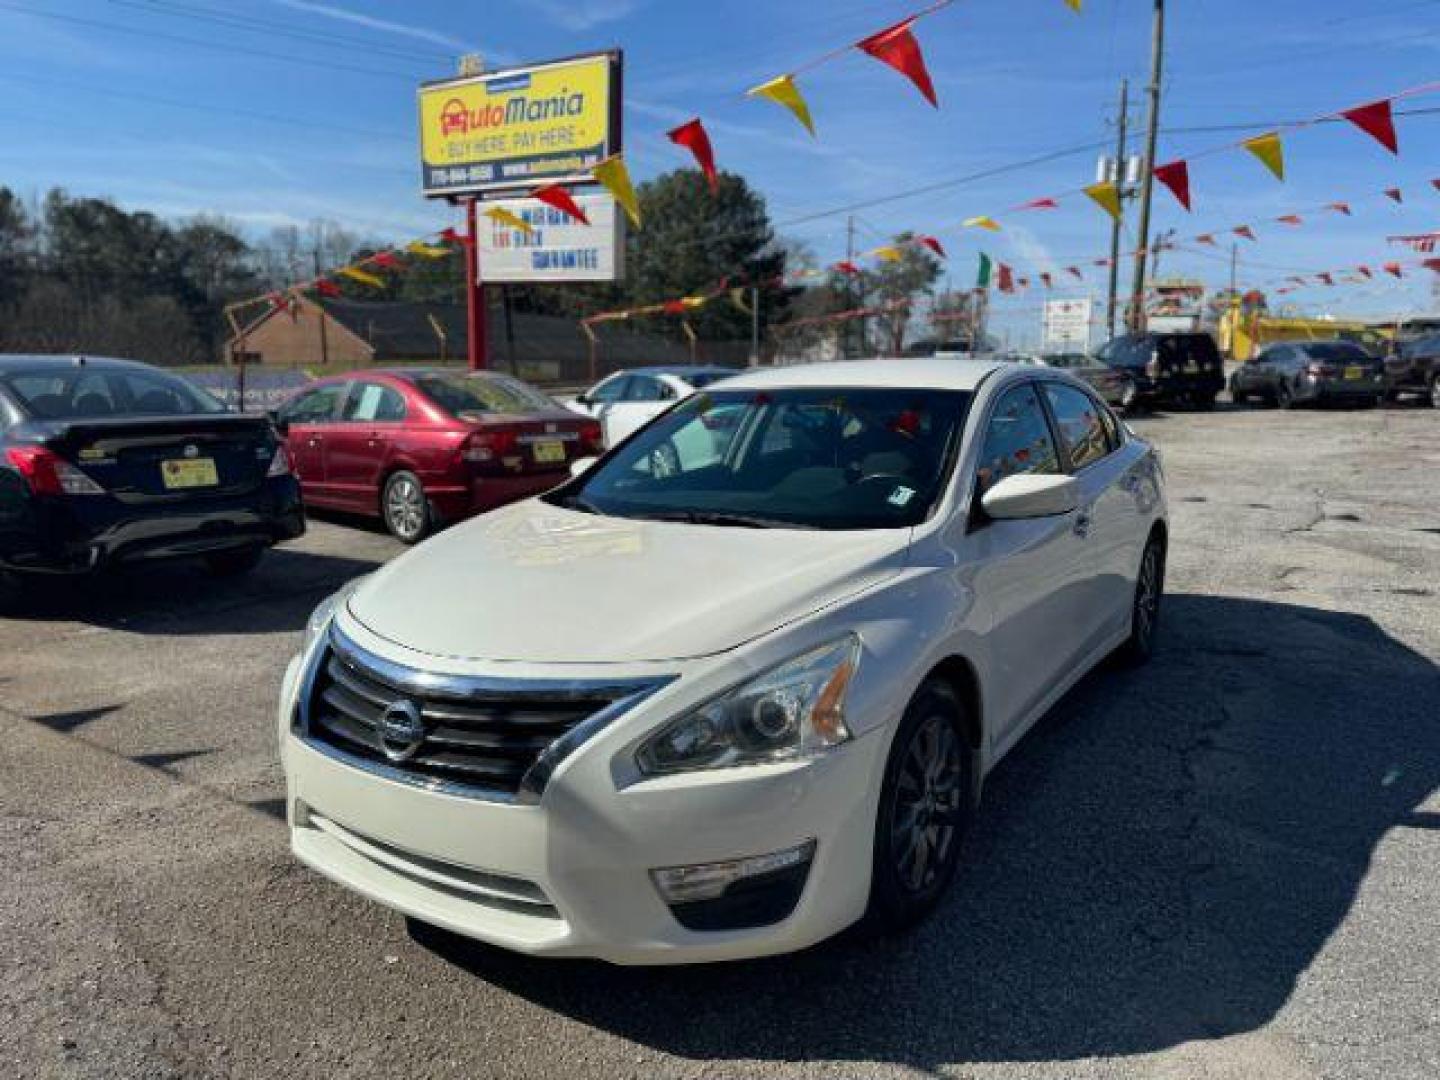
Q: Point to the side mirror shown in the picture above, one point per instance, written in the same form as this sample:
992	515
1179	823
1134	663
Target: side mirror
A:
1031	495
581	399
581	465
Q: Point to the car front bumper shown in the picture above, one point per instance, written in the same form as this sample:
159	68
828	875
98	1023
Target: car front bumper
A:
571	876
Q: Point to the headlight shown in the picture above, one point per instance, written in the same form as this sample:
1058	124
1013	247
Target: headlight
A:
324	612
791	711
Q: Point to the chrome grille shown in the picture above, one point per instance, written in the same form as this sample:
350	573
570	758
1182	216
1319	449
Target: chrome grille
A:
488	737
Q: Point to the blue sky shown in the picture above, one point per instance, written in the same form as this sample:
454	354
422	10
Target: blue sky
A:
292	109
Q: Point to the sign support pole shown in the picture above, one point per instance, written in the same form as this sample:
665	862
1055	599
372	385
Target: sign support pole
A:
475	337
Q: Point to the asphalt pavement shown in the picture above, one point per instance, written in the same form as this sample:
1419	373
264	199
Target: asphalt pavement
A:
1222	865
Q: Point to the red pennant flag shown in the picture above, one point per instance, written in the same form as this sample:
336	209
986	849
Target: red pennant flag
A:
1047	281
1023	282
1376	121
1299	279
1364	272
383	259
845	266
1007	279
1289	219
1326	279
1395	193
1205	238
278	302
673	307
933	244
1047	204
327	288
1393	269
1176	177
1432	264
1101	262
1076	271
1244	231
556	196
897	47
693	137
450	236
1339	208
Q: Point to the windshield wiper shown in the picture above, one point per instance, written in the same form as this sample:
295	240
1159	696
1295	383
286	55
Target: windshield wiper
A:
719	517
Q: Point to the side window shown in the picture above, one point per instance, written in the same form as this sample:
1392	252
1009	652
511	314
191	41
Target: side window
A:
316	406
375	403
1077	415
1017	440
611	390
644	388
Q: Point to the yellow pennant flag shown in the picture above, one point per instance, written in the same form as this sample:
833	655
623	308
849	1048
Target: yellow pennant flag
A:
1270	152
363	276
1074	5
887	254
783	91
1107	196
612	175
737	297
695	301
426	251
982	222
501	216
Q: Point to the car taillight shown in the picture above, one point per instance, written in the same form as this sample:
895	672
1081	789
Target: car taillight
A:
48	473
1319	370
592	438
486	446
279	464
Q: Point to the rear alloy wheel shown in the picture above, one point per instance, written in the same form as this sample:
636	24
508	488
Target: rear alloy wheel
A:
234	563
1139	647
405	508
924	809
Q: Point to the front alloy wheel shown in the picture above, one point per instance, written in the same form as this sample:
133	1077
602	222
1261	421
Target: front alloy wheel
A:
924	809
1145	613
406	509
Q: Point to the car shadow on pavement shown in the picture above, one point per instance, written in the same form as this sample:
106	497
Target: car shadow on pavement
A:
182	598
1158	862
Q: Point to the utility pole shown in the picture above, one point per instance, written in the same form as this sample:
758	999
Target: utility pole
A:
849	286
1234	266
1147	178
1121	130
754	325
324	340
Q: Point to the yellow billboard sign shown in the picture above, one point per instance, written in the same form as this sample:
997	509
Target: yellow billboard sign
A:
522	127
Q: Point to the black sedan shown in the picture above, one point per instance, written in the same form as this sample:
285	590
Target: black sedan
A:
107	462
1309	372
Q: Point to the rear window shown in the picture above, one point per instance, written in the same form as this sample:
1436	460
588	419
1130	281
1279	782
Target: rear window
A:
1339	351
479	394
79	393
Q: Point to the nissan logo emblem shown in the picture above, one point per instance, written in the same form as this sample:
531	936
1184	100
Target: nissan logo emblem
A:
401	731
192	450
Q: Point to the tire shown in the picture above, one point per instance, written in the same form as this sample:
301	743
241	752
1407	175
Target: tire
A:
1239	397
234	563
1139	647
1203	402
925	809
1284	397
405	508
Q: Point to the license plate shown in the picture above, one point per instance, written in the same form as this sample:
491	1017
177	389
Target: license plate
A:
190	473
1354	374
548	453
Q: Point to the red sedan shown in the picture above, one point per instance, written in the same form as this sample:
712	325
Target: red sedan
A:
423	447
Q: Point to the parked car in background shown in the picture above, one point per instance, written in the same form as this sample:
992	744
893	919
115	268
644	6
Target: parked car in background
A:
1300	372
1168	368
627	400
1413	367
422	447
676	712
106	462
1115	386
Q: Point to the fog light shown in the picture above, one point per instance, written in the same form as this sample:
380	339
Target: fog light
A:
737	894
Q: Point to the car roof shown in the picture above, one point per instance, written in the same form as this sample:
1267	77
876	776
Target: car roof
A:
679	370
30	361
929	373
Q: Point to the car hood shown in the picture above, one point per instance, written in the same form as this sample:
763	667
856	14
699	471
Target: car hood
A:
540	584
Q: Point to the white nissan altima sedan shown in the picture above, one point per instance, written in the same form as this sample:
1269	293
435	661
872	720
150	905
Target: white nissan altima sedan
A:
737	685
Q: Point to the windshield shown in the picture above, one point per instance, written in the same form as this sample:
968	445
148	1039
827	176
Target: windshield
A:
81	393
459	394
815	458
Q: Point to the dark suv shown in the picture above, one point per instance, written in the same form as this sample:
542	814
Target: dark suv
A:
1414	368
1168	368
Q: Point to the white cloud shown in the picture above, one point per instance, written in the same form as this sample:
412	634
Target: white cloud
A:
371	22
581	15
